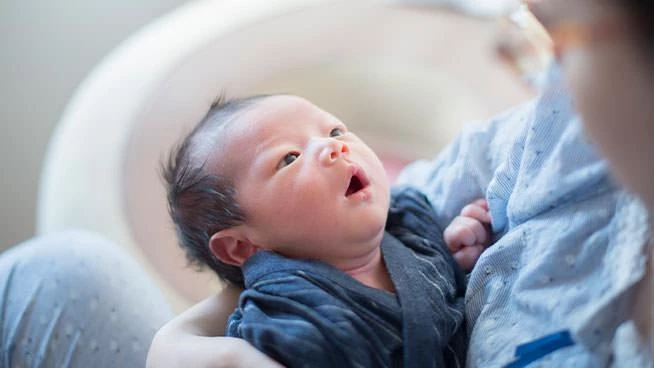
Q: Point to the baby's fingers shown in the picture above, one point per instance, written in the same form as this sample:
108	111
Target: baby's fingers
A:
477	210
468	256
465	231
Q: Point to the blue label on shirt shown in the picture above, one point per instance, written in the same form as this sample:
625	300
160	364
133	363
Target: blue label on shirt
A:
534	350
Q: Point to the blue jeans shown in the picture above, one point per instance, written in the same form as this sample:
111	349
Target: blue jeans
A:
75	299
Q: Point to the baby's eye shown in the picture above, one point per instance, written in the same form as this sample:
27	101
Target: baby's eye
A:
336	132
287	159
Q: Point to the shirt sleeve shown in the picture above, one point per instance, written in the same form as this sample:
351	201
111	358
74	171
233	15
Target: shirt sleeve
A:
462	172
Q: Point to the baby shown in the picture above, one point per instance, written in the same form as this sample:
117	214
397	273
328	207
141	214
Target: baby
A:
277	196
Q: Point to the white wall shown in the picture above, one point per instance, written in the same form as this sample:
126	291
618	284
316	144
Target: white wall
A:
46	50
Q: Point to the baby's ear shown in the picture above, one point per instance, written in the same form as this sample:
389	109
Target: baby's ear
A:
231	247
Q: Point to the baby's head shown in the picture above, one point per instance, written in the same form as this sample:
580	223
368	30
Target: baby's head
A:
274	173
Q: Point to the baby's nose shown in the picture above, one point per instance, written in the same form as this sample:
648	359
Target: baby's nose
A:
332	151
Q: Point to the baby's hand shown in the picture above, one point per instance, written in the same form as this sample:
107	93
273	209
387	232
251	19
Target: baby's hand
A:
469	234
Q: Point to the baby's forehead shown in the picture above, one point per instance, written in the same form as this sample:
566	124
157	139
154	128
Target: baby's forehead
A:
257	120
279	106
287	110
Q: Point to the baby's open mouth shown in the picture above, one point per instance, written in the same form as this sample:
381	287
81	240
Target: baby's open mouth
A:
358	181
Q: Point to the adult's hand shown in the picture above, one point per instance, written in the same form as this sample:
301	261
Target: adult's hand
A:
194	339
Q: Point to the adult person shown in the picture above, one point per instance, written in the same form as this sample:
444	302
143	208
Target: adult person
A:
606	49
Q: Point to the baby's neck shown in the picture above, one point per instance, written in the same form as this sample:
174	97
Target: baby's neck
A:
373	273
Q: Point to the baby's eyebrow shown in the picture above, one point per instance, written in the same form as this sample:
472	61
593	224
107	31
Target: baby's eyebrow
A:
265	145
265	160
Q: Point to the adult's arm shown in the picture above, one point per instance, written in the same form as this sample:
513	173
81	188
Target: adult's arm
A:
463	171
195	339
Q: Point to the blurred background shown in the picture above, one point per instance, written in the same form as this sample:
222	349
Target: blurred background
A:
46	49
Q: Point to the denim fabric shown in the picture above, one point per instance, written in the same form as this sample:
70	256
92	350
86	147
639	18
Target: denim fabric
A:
74	299
309	314
569	242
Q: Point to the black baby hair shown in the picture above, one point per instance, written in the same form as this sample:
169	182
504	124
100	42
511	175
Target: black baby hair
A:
202	202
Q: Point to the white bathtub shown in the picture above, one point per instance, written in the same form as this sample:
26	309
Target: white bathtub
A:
404	78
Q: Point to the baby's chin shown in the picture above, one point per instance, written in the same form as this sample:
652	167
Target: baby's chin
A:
374	229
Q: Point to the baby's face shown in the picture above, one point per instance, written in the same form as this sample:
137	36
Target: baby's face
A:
309	187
